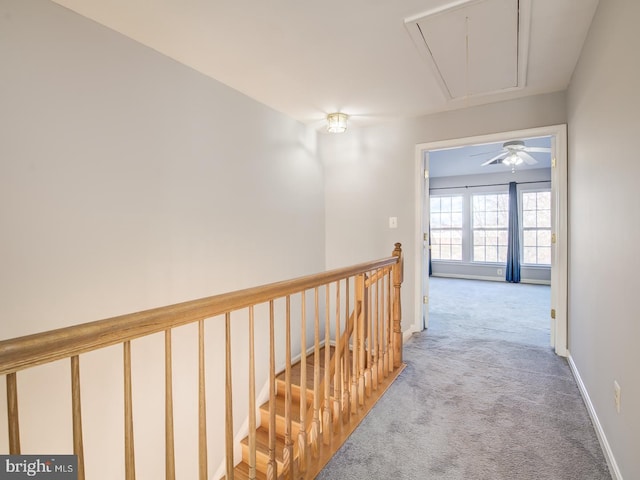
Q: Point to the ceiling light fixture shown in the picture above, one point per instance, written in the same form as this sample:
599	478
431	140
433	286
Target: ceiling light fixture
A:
512	160
336	122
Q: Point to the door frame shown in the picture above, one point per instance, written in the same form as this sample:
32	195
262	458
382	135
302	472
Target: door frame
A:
559	278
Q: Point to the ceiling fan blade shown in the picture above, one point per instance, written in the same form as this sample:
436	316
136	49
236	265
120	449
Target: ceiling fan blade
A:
537	149
486	153
493	160
528	159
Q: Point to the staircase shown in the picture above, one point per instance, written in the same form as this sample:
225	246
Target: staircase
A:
314	405
327	447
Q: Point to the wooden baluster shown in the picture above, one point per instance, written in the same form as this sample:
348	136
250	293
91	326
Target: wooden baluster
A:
202	407
358	308
362	321
389	324
337	359
76	413
228	404
376	325
326	416
252	397
385	332
288	434
129	455
346	376
169	448
367	339
373	340
12	413
397	309
382	344
315	425
272	466
380	363
302	435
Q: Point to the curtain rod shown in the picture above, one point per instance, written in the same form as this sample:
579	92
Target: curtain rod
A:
488	185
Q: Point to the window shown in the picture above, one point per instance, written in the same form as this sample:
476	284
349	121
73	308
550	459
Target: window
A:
474	228
536	228
490	227
446	227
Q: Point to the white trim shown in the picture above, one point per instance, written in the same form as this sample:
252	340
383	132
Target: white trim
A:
559	250
492	279
602	438
421	288
559	196
406	335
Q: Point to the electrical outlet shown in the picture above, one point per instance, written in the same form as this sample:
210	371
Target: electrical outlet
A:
616	395
499	271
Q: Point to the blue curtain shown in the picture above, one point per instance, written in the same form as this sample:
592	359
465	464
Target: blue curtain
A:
513	249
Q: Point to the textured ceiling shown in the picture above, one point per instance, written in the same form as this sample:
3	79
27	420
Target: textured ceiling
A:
307	59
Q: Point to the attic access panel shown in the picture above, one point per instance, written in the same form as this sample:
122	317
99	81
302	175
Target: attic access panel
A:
477	47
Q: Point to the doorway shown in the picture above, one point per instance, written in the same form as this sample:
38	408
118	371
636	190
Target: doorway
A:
557	135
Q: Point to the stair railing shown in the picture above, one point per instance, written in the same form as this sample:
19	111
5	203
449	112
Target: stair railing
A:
361	304
376	350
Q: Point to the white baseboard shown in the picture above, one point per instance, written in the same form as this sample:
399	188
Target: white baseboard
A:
602	438
489	278
406	335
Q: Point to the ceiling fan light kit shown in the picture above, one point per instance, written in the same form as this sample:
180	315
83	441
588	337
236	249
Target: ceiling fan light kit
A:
512	159
514	153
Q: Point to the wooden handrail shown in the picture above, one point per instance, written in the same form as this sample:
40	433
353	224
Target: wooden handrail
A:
31	350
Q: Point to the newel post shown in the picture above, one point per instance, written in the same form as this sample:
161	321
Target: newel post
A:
398	273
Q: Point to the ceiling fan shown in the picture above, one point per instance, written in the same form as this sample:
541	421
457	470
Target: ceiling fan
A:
514	153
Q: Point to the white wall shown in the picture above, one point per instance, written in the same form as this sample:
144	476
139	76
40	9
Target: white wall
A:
603	105
130	181
369	176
